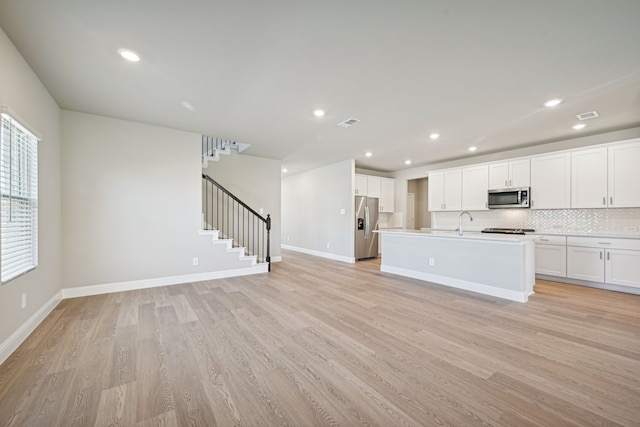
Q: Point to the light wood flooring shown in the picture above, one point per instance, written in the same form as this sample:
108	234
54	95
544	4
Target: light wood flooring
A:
317	342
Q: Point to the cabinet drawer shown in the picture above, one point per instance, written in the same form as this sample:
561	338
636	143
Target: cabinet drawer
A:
551	240
596	242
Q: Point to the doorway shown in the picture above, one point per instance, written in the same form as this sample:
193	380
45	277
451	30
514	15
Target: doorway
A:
419	189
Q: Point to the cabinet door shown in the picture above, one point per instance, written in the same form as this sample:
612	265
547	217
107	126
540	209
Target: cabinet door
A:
585	263
373	186
551	181
624	175
387	195
622	267
436	191
589	178
551	260
453	190
498	175
361	185
475	186
519	173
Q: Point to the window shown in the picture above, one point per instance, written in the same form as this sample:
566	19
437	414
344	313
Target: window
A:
19	199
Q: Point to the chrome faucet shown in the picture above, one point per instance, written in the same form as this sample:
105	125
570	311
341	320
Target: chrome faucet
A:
460	223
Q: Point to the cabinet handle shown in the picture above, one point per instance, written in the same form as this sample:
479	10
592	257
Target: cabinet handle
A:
600	254
505	183
604	201
510	183
608	256
604	243
544	240
611	200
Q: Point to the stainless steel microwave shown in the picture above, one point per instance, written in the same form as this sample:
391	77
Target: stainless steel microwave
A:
509	198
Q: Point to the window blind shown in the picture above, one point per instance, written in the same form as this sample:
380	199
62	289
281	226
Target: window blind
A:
19	199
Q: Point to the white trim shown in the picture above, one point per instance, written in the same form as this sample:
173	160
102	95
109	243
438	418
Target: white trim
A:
350	260
457	283
108	288
22	333
276	259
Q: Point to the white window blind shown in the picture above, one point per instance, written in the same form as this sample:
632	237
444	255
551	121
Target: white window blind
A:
19	199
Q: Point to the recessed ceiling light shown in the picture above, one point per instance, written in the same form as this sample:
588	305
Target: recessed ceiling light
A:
318	113
407	162
368	154
129	55
552	102
579	126
188	106
434	136
473	148
284	170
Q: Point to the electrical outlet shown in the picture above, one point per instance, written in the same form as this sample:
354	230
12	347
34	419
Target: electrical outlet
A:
432	261
195	261
328	245
24	301
343	211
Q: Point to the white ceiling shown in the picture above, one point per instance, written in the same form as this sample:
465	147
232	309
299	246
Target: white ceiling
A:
477	72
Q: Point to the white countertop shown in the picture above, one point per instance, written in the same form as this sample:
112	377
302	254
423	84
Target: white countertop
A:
474	235
552	233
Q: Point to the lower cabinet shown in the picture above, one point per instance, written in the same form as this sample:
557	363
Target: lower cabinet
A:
622	267
551	255
611	261
585	263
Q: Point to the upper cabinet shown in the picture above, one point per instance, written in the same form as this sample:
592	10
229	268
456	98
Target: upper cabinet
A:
589	178
509	174
551	181
606	176
475	186
445	190
361	185
387	194
624	174
381	188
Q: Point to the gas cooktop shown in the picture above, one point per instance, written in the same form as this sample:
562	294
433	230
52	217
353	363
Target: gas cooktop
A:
508	230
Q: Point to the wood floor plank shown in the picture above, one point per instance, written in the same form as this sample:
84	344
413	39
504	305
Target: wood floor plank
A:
317	342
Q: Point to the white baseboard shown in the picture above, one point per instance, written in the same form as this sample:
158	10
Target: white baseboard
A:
15	339
460	284
350	260
160	281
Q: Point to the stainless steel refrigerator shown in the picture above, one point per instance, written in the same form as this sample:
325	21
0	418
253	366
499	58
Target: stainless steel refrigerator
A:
366	221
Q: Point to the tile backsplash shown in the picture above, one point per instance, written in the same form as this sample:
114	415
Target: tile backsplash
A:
619	221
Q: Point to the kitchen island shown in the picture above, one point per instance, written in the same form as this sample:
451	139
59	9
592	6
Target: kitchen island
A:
498	265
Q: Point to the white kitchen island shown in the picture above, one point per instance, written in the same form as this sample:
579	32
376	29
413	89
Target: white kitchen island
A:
493	264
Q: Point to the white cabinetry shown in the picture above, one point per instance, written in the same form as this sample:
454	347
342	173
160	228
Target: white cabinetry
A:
381	188
551	181
611	261
361	185
475	186
510	174
387	194
445	190
589	178
606	176
551	255
624	174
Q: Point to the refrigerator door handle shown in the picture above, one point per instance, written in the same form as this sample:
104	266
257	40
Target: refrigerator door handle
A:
366	222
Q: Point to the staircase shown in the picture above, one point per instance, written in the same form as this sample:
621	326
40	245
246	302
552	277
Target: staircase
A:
226	219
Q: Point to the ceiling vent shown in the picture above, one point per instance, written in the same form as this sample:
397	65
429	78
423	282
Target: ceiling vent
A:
348	123
588	115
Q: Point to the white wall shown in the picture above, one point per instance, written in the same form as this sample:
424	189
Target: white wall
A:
131	202
27	98
311	205
257	182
